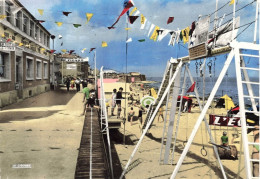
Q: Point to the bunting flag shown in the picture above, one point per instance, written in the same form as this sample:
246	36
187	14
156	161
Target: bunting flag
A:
232	2
61	44
137	13
104	44
185	34
155	34
3	35
60	36
129	40
174	38
40	11
191	89
66	13
151	29
59	23
89	16
41	21
64	50
2	17
83	50
143	21
91	49
141	40
71	51
162	34
52	51
15	10
134	9
132	19
170	20
8	40
20	44
127	28
110	28
76	25
127	6
42	49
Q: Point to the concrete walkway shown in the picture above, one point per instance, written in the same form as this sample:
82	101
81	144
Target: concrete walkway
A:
43	132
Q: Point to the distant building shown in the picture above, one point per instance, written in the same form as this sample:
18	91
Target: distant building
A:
24	54
130	77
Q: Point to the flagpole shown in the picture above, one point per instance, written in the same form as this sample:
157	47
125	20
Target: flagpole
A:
126	50
95	58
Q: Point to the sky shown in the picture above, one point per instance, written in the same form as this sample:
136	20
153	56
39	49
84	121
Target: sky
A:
149	57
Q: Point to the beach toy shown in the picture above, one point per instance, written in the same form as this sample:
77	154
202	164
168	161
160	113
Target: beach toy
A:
147	100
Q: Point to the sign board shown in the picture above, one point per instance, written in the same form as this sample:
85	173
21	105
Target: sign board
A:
199	39
75	59
7	46
224	121
72	66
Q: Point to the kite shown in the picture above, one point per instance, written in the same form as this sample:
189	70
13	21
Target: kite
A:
170	20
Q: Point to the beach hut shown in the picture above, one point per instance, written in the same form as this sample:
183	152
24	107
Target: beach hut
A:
225	102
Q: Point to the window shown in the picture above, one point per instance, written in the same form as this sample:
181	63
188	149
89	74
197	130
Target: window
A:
45	68
25	21
48	41
31	28
38	69
4	66
36	32
41	36
29	68
8	11
18	18
45	39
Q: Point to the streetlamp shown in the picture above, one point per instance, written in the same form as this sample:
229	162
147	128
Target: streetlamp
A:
53	37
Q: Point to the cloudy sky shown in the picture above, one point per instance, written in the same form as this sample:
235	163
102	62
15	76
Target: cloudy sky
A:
148	57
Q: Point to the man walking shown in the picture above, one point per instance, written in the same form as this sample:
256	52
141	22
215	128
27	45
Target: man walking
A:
85	98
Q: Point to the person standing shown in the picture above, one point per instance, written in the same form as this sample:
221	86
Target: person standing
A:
119	97
77	82
140	114
68	84
160	114
113	102
131	114
86	93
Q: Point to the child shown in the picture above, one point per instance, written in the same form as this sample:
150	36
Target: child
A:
224	139
131	114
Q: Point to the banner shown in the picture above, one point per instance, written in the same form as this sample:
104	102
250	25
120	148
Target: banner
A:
224	121
75	59
72	66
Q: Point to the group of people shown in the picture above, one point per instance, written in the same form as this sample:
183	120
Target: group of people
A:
72	82
116	101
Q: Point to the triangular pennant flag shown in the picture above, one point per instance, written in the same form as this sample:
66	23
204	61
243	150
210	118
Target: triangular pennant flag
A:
174	36
15	10
60	36
162	34
8	40
42	49
143	21
91	49
132	19
20	44
83	50
134	9
52	51
76	25
185	34
66	13
155	34
127	28
170	20
137	13
64	50
71	51
2	16
104	44
59	23
191	89
40	21
89	16
127	6
40	11
151	28
141	40
232	2
129	40
110	28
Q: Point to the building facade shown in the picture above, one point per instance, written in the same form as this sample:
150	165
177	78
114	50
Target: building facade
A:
24	54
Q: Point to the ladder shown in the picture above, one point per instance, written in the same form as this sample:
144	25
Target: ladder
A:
170	69
244	82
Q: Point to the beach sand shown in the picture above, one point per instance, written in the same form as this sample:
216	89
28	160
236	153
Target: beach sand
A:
145	163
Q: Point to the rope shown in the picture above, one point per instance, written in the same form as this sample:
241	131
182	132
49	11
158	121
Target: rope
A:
219	8
242	7
244	29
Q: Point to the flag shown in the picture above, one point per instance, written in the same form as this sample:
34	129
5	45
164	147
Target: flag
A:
129	40
64	50
40	11
127	28
174	37
40	21
127	6
141	40
91	49
2	16
110	28
20	44
185	34
151	28
76	25
52	51
104	44
155	34
132	19
83	50
66	13
143	21
71	51
60	36
89	16
232	2
191	89
3	35
61	44
137	13
134	9
59	23
8	40
170	20
162	34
